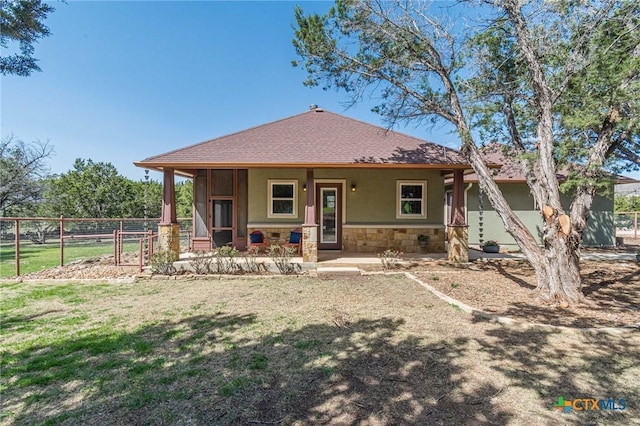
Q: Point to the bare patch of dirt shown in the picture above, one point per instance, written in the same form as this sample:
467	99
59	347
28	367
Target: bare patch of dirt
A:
498	286
362	350
96	268
506	287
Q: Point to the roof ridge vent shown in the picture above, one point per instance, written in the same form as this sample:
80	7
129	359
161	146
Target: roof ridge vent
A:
316	108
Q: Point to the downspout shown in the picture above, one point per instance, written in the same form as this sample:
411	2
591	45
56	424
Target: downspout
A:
466	203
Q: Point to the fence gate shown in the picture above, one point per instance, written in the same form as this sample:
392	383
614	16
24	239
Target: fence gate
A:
145	245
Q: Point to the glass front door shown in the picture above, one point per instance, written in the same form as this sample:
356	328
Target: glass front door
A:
329	216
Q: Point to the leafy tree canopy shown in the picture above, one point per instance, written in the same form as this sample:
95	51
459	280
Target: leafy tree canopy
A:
90	189
21	26
629	203
559	81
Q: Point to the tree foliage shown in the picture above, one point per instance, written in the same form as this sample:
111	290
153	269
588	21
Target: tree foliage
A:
184	199
96	190
558	81
22	166
90	189
21	26
629	203
153	189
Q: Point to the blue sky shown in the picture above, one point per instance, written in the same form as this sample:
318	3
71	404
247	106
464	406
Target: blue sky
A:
122	81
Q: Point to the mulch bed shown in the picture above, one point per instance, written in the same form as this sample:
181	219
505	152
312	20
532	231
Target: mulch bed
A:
506	288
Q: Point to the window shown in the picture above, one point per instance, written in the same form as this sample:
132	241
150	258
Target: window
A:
411	196
283	198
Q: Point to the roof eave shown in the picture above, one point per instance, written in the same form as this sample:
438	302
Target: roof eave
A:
193	166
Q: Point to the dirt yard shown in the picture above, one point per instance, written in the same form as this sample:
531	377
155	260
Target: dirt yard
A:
502	287
296	351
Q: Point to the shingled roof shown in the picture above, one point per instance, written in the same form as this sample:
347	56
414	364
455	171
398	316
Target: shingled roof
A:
510	170
315	138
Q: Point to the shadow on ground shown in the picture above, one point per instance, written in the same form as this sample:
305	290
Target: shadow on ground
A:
198	371
607	369
205	369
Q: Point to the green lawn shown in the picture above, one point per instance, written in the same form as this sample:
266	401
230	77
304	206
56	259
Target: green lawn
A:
34	257
295	350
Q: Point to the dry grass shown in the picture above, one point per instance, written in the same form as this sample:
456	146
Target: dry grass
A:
294	351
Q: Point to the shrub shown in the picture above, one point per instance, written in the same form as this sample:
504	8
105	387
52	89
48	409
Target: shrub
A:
250	261
226	260
281	256
162	262
390	259
201	262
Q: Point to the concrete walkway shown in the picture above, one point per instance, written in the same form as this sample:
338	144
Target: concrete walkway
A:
352	259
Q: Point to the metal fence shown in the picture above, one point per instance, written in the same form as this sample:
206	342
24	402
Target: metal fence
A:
68	239
626	224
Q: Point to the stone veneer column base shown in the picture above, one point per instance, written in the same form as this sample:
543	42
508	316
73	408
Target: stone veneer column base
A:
310	243
169	238
458	243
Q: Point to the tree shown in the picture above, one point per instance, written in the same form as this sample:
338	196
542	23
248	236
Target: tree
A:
22	166
94	190
184	199
628	203
153	188
21	22
558	79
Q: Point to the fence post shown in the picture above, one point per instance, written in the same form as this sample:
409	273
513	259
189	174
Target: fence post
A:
17	247
61	240
150	245
115	247
121	238
140	254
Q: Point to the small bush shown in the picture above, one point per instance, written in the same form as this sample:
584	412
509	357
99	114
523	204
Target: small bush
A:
390	259
201	263
226	260
162	262
251	264
281	256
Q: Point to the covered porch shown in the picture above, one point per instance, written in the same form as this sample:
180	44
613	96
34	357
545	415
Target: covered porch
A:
346	185
335	214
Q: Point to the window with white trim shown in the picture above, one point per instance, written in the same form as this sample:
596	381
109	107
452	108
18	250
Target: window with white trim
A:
283	199
411	199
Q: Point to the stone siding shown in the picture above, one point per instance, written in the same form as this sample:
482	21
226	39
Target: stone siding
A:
371	239
273	235
376	240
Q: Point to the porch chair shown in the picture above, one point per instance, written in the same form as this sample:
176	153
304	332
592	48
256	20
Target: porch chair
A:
256	238
295	240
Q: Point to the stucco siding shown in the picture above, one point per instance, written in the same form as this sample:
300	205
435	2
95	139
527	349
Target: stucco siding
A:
259	193
600	227
374	200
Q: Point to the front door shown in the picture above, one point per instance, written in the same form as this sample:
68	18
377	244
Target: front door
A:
329	204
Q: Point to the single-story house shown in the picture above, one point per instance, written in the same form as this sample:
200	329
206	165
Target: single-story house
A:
485	224
348	185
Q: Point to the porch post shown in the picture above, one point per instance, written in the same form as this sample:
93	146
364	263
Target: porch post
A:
168	228
310	227
458	251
